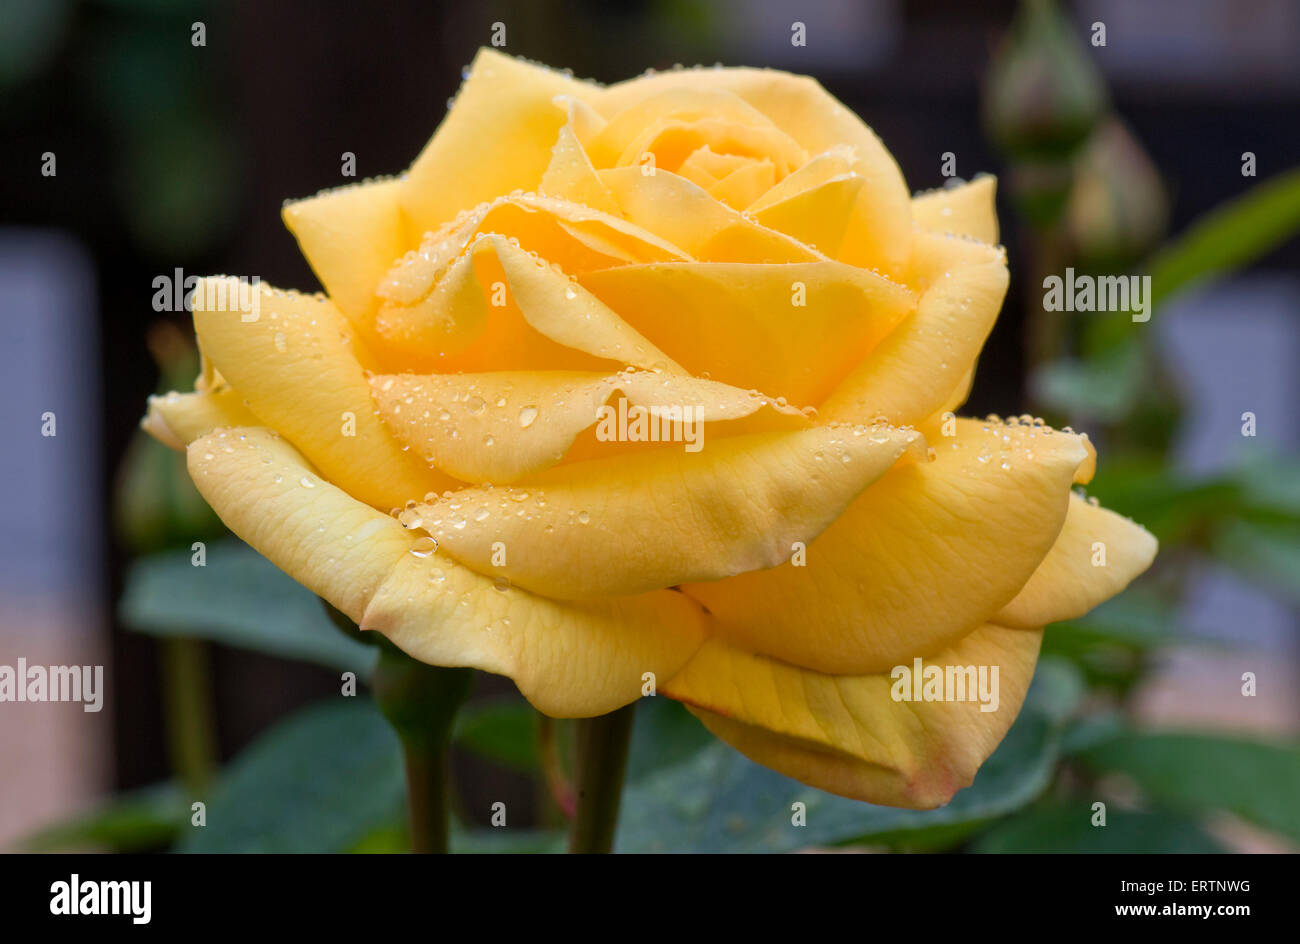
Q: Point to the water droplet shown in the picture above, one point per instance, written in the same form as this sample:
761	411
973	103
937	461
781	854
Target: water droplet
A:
306	482
423	547
281	344
584	518
526	416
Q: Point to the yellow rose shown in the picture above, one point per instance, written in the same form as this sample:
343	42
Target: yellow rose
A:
771	518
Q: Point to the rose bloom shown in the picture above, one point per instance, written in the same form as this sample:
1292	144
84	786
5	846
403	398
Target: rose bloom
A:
650	385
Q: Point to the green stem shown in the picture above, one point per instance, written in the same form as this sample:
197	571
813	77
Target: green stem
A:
420	702
191	724
602	745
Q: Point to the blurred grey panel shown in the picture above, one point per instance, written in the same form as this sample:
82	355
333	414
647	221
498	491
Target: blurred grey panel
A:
50	514
840	34
1227	45
1234	349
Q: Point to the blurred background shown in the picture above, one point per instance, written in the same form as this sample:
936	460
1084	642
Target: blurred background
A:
158	138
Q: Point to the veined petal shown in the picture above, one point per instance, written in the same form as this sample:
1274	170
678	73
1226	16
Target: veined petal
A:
296	365
966	210
505	109
1095	557
726	319
498	427
854	735
918	560
651	520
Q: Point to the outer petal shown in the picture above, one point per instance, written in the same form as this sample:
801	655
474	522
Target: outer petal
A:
848	734
501	426
794	330
297	368
496	138
966	210
911	373
351	236
921	558
1070	581
568	659
655	519
266	493
177	419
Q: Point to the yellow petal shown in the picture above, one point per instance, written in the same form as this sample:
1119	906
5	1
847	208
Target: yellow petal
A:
568	659
685	215
821	217
743	185
911	373
651	520
827	166
920	559
297	367
801	108
1095	557
705	167
848	734
726	320
628	132
496	138
570	176
499	308
351	236
177	419
966	210
500	426
267	494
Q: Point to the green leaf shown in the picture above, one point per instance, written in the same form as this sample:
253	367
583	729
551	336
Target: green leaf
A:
137	821
1267	554
500	729
322	781
1104	387
1256	780
1228	237
1061	827
239	599
719	801
664	733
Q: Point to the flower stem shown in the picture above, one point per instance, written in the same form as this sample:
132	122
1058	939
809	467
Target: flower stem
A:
191	724
602	745
420	702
